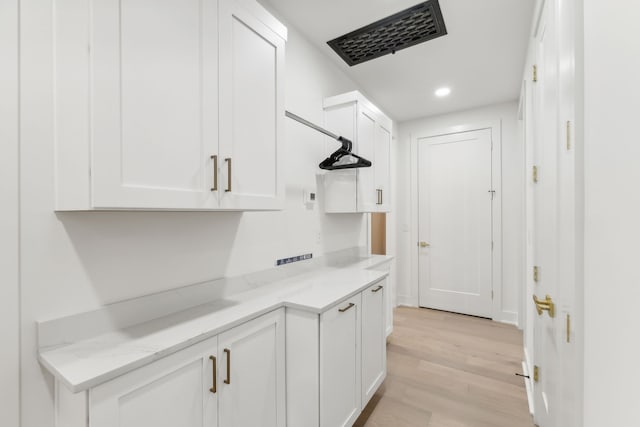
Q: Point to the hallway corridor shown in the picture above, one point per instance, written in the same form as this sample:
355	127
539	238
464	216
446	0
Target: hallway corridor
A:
450	370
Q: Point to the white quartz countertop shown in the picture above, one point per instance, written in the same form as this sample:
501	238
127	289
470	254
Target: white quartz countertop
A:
87	363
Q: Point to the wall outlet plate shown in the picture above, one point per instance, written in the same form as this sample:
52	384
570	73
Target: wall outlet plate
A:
310	197
296	258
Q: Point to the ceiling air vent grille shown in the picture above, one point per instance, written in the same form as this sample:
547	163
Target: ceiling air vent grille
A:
415	25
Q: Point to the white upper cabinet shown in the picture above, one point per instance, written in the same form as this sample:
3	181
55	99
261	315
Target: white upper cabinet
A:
251	109
365	189
141	87
383	168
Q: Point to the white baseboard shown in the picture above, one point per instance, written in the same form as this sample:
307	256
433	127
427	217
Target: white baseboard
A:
407	301
508	317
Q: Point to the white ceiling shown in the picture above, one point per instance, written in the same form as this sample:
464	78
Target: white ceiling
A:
481	58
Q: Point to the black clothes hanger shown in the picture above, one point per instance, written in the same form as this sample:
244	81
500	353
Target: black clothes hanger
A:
342	158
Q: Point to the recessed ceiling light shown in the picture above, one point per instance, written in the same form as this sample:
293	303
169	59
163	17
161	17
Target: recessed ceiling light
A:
442	92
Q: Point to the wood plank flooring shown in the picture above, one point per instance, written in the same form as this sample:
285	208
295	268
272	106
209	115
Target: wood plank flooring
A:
450	370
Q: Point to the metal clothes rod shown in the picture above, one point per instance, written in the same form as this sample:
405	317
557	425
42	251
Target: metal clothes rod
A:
311	125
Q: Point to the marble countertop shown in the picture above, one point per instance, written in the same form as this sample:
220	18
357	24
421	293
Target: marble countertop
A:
89	362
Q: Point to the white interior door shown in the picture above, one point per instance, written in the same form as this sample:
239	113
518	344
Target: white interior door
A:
455	221
545	202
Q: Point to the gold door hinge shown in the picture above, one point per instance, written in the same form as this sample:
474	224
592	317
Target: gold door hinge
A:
536	373
536	273
568	135
568	328
491	294
535	73
534	174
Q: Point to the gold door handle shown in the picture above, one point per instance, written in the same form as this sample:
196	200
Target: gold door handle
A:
424	244
545	305
228	160
342	310
377	289
215	375
215	173
228	352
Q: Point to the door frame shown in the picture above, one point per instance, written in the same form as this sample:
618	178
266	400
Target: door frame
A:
9	215
495	127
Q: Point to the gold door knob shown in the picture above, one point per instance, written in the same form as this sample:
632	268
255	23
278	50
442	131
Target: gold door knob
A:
424	244
545	305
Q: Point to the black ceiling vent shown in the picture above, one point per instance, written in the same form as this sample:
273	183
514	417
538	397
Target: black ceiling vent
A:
415	25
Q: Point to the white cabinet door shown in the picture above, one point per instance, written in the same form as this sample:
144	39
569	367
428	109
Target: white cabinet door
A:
153	104
374	354
252	373
365	147
340	386
382	168
174	391
251	110
340	186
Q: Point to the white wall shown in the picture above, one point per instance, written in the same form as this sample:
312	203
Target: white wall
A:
73	262
9	266
512	200
612	213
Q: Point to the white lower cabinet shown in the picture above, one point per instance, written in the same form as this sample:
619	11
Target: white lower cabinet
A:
235	379
374	338
340	391
336	360
252	373
174	391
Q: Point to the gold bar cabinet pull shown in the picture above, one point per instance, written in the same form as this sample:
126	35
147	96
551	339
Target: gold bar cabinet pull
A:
215	173
342	310
377	289
228	160
545	305
228	352
215	375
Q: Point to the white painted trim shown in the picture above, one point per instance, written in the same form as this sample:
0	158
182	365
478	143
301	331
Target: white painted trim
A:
406	301
528	386
9	215
496	134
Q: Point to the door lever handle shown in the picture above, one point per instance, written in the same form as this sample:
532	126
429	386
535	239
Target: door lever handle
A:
424	244
545	305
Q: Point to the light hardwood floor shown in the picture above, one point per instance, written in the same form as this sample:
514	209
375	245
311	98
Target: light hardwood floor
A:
450	370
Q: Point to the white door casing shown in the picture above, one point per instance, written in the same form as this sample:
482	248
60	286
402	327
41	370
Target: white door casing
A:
456	195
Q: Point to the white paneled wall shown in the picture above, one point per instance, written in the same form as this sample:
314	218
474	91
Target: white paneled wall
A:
512	200
9	266
612	212
78	261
